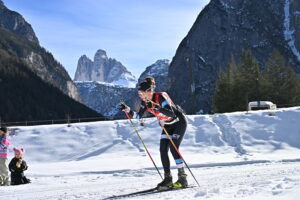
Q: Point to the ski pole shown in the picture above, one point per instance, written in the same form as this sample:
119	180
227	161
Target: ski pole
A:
143	144
175	147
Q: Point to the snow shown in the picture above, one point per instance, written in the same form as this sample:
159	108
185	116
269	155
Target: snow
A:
233	156
126	80
92	84
226	6
288	32
160	67
201	58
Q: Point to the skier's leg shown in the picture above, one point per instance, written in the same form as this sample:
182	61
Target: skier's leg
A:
164	148
178	131
178	134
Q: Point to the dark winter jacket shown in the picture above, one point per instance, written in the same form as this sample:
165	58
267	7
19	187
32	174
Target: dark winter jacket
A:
17	173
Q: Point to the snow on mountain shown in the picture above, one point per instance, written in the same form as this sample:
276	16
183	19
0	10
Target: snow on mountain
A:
233	156
289	31
126	80
159	67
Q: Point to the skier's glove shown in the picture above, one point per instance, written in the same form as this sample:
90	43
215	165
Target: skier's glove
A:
124	107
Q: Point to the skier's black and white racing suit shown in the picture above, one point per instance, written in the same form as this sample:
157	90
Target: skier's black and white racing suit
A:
173	120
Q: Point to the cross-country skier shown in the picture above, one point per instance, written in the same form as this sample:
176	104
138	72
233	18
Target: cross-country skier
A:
173	120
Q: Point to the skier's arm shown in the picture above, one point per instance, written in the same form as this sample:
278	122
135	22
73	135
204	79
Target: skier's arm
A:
165	107
131	113
141	112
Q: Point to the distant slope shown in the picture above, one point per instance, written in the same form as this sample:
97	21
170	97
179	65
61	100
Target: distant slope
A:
18	37
25	96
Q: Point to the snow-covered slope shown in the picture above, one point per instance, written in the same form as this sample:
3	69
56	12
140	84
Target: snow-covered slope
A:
233	156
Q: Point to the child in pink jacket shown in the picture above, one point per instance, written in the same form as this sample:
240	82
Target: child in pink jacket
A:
4	143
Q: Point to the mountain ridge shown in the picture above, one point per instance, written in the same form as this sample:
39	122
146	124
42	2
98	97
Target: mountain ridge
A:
221	31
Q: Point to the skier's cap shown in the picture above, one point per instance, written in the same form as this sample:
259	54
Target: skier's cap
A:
4	129
144	86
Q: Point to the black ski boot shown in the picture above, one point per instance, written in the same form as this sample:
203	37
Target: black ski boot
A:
181	182
166	183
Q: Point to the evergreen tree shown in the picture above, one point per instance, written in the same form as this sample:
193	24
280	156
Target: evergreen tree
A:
250	77
223	100
283	86
239	84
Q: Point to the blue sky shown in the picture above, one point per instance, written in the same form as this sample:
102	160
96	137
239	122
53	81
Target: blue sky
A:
135	32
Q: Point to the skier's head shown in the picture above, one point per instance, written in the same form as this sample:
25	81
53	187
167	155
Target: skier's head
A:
145	90
151	81
19	152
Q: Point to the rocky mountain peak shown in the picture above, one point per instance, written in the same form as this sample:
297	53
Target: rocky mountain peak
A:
159	71
100	58
15	23
100	54
103	69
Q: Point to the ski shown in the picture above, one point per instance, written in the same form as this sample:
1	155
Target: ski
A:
146	192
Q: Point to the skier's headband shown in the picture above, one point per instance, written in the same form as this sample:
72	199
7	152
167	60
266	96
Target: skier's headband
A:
144	86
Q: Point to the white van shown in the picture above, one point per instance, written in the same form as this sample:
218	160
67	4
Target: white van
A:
261	105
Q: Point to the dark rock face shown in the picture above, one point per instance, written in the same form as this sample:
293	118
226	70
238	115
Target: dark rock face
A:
103	69
15	23
159	71
18	37
223	29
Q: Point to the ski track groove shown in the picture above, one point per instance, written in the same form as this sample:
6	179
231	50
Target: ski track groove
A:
247	178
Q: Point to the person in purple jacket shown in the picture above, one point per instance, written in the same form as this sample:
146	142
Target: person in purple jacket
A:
4	143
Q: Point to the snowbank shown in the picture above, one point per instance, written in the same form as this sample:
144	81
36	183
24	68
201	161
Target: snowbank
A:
233	155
